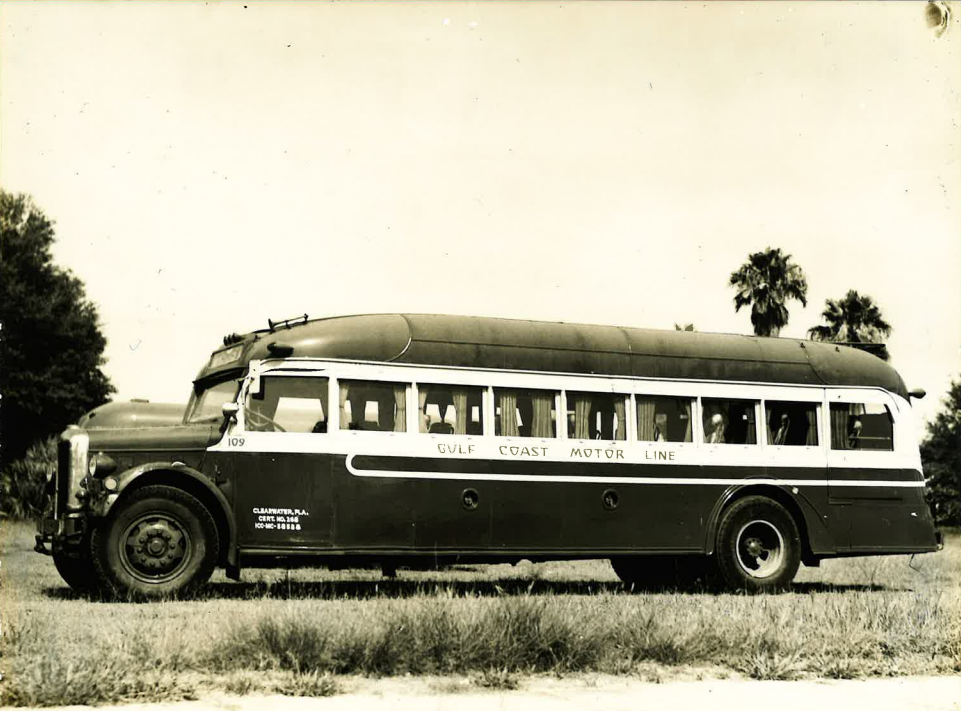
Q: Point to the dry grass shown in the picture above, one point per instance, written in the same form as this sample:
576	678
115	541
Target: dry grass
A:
296	633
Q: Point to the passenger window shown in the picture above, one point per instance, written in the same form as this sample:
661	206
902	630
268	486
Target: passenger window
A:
664	419
373	406
596	416
525	413
729	421
450	409
791	424
861	426
288	404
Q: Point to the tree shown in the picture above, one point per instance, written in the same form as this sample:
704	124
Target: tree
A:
941	457
50	344
855	320
766	282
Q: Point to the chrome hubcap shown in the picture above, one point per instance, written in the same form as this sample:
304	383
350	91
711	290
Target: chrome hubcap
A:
760	549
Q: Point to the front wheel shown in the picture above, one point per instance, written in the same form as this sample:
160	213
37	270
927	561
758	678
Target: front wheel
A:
77	570
758	546
159	542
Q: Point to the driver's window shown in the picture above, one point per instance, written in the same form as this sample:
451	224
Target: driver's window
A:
288	404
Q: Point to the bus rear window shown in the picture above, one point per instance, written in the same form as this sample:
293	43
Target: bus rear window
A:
856	425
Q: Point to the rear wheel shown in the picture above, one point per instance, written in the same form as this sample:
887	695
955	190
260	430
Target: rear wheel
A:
758	545
159	541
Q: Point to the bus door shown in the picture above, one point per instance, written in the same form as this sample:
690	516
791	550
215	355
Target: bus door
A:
276	459
862	464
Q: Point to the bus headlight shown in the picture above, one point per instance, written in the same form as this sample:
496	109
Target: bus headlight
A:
101	465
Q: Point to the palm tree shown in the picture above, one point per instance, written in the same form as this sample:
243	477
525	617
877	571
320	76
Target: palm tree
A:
766	281
855	320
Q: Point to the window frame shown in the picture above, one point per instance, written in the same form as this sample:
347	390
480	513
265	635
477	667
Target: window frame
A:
819	409
757	446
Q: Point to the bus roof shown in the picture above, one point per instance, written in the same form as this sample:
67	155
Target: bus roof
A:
481	342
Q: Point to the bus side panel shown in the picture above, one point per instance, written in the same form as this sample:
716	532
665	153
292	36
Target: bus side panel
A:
280	500
406	513
881	519
579	518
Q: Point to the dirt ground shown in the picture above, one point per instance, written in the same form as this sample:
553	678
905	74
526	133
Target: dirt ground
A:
600	693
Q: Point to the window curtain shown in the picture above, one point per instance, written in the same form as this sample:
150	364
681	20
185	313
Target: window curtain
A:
751	435
461	412
323	396
619	415
400	408
344	390
507	401
811	440
839	427
582	416
422	409
688	432
358	409
541	417
645	420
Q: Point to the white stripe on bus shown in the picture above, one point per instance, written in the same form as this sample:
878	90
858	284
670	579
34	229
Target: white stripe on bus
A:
573	479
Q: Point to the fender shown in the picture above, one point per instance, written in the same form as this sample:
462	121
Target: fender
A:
820	539
179	470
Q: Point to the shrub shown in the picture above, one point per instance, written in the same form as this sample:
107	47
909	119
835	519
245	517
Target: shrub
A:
23	482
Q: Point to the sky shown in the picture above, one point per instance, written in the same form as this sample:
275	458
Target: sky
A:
213	165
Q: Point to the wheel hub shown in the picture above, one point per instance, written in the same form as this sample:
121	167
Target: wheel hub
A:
760	549
155	547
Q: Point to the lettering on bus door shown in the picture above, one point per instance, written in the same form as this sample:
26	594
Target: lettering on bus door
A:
282	479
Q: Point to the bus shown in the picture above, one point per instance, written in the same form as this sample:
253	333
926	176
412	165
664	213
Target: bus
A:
416	440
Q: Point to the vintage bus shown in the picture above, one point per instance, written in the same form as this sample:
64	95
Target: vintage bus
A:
399	440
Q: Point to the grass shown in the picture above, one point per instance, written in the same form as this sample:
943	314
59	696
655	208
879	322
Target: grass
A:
303	632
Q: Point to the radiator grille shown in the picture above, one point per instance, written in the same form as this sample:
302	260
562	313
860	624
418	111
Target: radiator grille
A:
63	478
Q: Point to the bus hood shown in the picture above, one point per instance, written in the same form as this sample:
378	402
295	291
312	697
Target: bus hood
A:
173	439
136	413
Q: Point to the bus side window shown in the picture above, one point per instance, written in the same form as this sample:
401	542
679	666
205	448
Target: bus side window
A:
596	416
450	409
288	404
857	425
729	421
525	413
373	406
664	419
791	424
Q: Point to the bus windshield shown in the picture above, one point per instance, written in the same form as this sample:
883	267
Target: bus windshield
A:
206	405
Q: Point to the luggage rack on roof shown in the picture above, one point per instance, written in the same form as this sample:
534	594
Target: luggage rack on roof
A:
288	322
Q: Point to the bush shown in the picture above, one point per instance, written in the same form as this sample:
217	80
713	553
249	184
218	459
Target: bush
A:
23	482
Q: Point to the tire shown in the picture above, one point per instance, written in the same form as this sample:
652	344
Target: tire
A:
758	545
652	573
158	542
77	571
